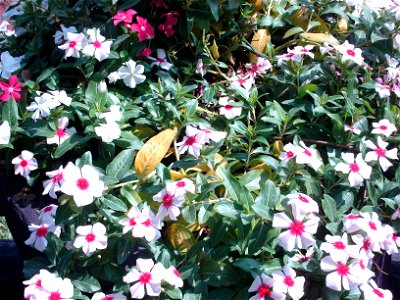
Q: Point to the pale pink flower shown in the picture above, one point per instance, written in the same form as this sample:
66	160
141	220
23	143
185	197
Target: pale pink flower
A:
289	151
53	185
229	108
82	183
24	163
338	247
48	213
304	203
352	223
146	274
342	276
97	45
286	282
102	296
130	223
307	155
212	135
352	128
161	60
74	44
366	245
383	127
349	52
170	204
260	67
373	292
303	50
34	284
289	55
380	153
389	243
246	81
372	226
396	214
90	238
357	169
173	277
46	285
263	285
181	186
192	142
300	229
37	239
383	90
200	68
62	132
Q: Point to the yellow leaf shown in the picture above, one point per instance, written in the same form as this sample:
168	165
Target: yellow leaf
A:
258	4
176	175
180	237
320	38
342	24
277	148
153	151
214	50
260	40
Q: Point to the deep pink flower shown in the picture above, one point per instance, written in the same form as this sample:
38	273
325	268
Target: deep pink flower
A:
170	21
143	28
12	89
159	3
124	16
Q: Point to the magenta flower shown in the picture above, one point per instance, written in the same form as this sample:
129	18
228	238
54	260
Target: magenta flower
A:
124	16
143	28
12	89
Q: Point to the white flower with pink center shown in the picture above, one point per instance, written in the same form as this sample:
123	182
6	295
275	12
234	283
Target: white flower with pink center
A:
246	81
97	45
383	90
161	60
74	43
342	275
229	108
372	226
309	156
263	286
46	285
24	163
82	183
357	169
373	292
303	202
53	185
380	153
366	245
212	135
300	229
352	128
48	213
173	277
37	239
289	55
300	257
287	282
145	275
260	67
200	68
90	238
338	247
349	52
170	204
102	296
389	243
61	35
62	132
192	142
383	127
180	187
352	223
306	50
289	151
396	214
131	222
34	284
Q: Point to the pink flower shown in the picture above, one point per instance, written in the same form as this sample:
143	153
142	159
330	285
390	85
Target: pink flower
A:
53	185
123	16
300	229
143	28
357	169
39	233
383	127
286	282
24	163
260	67
396	214
341	274
173	277
62	132
303	50
102	296
170	204
246	81
82	183
146	52
380	153
90	238
352	128
290	55
373	292
170	21
383	90
192	142
12	89
263	285
349	52
146	274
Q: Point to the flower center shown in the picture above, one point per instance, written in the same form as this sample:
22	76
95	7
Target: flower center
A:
132	222
190	140
342	269
160	60
264	290
372	225
303	199
38	283
176	272
288	281
307	152
82	184
72	44
107	298
48	208
351	53
41	231
24	163
383	127
97	44
55	296
142	28
352	217
296	228
60	132
380	152
145	278
289	154
366	244
90	237
354	168
168	200
339	245
57	178
148	222
180	184
228	107
378	293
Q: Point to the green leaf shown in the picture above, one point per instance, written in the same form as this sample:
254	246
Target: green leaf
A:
121	164
258	238
174	293
63	264
85	283
213	4
45	74
218	274
227	208
114	203
10	112
266	201
72	142
329	207
293	31
305	88
124	247
189	214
